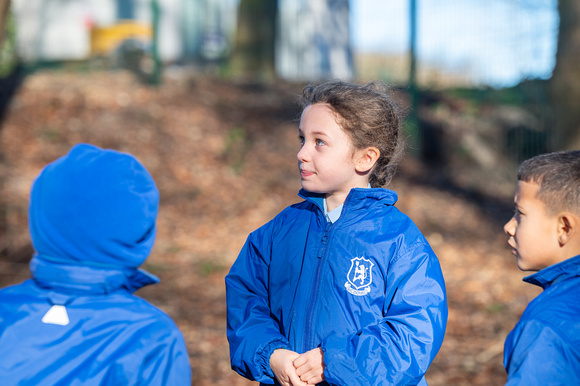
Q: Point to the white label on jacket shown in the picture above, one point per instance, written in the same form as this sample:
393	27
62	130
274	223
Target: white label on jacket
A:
56	315
360	276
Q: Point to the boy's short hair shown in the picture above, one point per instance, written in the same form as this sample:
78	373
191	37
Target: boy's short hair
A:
558	175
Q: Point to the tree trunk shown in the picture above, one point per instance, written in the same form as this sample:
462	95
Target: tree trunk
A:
564	86
4	7
253	56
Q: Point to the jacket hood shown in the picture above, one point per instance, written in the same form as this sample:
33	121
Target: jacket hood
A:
94	207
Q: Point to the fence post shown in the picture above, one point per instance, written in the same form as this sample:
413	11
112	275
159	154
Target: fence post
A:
156	76
413	126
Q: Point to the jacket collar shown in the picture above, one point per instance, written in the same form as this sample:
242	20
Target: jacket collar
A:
358	199
87	279
555	273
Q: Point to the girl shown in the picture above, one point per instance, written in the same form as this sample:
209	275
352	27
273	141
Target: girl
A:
342	288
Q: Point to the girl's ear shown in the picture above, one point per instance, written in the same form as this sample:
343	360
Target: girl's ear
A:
366	159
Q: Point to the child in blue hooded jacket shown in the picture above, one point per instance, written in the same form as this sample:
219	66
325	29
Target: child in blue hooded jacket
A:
544	346
92	222
342	288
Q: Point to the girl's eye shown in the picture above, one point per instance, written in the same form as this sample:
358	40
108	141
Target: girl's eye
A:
320	142
301	140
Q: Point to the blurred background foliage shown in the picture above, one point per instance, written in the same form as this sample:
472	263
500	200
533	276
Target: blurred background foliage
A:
8	54
477	55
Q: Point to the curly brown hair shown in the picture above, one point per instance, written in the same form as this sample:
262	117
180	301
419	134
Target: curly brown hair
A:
369	115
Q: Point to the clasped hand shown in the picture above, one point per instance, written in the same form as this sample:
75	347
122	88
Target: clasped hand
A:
293	369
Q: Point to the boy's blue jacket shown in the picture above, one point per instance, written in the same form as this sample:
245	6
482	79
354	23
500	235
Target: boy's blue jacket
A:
367	289
76	322
544	346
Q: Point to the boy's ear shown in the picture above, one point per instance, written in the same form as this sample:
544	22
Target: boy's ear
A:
568	225
366	159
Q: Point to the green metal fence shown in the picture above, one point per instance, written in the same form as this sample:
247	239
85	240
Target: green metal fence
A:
475	70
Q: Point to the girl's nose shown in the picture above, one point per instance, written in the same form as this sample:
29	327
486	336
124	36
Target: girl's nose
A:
302	154
508	228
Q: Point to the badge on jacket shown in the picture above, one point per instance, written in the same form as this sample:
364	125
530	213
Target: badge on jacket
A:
360	276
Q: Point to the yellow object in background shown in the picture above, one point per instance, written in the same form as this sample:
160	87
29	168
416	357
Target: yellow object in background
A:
104	40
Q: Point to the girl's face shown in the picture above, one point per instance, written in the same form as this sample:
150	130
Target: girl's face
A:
327	159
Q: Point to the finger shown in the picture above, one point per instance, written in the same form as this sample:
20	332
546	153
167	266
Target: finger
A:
300	360
301	371
307	375
315	379
313	376
296	381
303	368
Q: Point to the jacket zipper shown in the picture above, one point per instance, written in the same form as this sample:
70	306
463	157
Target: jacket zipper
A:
315	287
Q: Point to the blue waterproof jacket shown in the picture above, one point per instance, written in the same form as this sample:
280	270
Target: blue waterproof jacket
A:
76	322
544	346
367	289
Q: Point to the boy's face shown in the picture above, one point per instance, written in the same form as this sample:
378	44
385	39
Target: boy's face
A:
532	230
326	158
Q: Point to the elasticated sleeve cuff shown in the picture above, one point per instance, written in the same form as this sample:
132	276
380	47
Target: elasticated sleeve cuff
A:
263	355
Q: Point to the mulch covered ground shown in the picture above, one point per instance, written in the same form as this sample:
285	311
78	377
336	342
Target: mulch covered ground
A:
223	156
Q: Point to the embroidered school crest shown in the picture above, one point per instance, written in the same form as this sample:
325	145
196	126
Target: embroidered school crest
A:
360	276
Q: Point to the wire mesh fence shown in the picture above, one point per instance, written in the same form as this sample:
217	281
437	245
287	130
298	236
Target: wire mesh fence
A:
495	55
495	43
